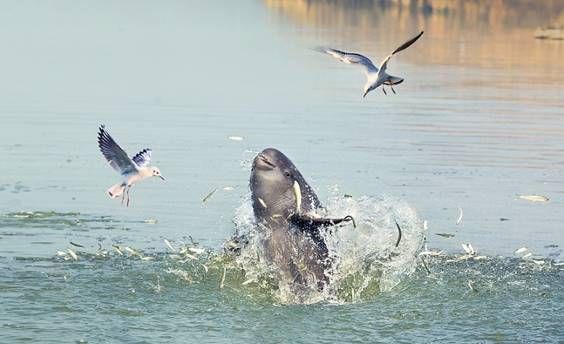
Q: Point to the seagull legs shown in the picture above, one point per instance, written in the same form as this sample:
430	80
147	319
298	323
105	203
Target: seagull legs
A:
123	195
128	196
384	90
393	90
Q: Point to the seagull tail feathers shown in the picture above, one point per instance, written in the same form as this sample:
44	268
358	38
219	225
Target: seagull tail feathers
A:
393	80
116	190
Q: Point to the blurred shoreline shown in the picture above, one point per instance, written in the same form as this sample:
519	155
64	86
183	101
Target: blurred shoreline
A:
497	33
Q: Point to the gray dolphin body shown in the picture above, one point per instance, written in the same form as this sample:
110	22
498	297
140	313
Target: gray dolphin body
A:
284	205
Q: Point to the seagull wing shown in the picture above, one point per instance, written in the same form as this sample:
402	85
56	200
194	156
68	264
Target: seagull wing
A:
404	46
351	58
114	154
408	43
143	158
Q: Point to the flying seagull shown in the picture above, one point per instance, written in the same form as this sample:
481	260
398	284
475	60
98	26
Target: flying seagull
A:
132	170
375	77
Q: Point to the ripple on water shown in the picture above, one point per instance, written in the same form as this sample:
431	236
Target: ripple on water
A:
210	289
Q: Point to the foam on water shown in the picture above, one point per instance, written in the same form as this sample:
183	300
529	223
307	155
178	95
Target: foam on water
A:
365	260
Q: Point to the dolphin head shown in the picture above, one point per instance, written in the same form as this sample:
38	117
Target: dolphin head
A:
276	186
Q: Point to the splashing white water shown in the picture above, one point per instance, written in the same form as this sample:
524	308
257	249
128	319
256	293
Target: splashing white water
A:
364	259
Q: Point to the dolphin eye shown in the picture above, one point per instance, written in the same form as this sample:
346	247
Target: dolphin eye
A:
287	173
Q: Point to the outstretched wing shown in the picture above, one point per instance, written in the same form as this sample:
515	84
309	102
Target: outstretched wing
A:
114	154
351	58
143	158
408	43
404	46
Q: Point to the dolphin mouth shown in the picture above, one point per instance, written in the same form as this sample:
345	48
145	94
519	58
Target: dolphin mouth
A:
262	161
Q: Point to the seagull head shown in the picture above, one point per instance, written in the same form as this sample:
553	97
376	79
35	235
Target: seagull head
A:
366	90
157	173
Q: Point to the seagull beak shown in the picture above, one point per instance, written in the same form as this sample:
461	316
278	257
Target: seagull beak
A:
365	93
162	177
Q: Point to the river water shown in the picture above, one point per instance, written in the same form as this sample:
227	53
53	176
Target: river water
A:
478	122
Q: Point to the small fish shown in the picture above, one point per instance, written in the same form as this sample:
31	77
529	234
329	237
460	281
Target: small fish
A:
208	196
298	194
248	281
196	250
228	188
117	250
169	245
460	214
188	255
445	235
469	249
463	257
147	258
521	250
235	138
262	202
431	253
72	254
534	198
130	250
425	266
221	283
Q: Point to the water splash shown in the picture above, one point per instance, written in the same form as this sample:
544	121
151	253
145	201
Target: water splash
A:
365	260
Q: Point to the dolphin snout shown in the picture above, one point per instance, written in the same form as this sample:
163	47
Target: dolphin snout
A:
262	161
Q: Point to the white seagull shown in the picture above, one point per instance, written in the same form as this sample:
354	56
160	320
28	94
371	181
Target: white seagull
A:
375	77
132	170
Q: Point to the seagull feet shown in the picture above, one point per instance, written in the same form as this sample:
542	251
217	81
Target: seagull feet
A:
393	90
384	90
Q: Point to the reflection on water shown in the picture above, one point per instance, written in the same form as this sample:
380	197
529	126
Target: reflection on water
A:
484	33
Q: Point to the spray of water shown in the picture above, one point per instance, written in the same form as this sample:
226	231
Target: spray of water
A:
365	260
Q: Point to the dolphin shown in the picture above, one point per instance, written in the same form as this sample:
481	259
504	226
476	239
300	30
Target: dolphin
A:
287	210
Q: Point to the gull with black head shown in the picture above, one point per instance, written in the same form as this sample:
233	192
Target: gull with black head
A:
131	170
375	76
